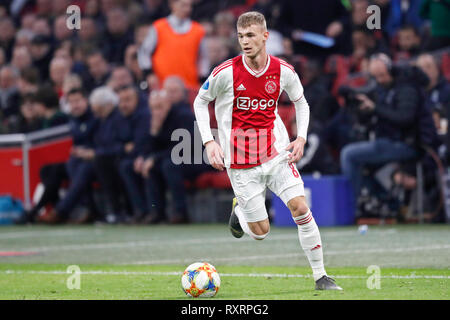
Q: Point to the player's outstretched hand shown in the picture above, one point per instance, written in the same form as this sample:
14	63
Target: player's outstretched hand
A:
215	155
297	146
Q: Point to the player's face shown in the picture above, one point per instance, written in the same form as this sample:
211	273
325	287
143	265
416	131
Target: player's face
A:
252	39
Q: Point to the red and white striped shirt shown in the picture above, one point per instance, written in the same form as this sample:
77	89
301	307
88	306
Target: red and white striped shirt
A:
250	130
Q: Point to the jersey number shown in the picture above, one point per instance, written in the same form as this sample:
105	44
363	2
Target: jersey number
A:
294	170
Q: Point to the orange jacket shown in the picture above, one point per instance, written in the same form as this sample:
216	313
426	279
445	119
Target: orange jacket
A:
177	54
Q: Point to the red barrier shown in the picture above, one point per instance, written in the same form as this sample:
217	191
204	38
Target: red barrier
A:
11	181
47	153
23	155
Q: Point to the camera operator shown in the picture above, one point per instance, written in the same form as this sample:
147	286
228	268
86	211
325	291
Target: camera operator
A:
398	107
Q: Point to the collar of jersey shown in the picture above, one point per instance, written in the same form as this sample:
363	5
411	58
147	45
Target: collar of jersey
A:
252	72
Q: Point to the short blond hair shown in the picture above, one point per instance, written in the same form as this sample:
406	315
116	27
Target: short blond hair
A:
250	18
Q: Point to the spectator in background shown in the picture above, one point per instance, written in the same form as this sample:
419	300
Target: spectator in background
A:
44	8
359	13
107	5
438	90
217	51
41	52
92	10
41	27
59	7
408	43
7	36
158	167
98	70
140	32
134	131
120	77
79	167
118	35
53	175
27	120
439	14
167	38
325	17
71	81
9	92
59	69
106	150
27	20
225	28
176	91
46	104
155	9
131	62
60	31
316	156
224	25
399	13
270	9
397	102
23	38
28	81
323	105
88	32
21	58
364	44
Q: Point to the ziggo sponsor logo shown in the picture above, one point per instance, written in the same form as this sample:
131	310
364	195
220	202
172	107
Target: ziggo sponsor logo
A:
245	103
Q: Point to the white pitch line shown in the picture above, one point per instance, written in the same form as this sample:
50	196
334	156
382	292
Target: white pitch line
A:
39	234
250	275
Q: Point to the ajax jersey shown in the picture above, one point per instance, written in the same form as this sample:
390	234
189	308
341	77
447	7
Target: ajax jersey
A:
250	130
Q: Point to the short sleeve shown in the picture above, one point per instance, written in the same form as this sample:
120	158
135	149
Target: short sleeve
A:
210	88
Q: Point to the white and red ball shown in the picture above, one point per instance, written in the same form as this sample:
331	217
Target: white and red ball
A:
200	279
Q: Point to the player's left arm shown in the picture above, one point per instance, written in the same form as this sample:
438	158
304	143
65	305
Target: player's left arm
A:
294	89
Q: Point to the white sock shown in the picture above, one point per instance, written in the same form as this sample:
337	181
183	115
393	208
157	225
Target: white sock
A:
309	236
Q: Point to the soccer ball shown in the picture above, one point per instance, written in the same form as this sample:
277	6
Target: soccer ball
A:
200	279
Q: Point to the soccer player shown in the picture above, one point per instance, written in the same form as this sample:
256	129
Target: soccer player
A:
254	144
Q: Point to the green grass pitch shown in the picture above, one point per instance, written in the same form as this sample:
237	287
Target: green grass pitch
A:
146	262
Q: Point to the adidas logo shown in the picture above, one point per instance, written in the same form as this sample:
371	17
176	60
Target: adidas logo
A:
241	87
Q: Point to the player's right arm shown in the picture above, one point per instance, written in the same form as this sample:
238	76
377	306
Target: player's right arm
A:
207	93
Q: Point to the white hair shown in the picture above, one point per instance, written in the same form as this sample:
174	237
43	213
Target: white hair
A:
103	96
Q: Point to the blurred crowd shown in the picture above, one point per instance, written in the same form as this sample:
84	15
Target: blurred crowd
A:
127	77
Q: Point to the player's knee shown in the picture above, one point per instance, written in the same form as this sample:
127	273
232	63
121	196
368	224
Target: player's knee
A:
298	207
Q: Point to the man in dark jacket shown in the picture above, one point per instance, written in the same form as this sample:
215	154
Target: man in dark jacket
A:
397	105
46	104
105	151
161	166
79	171
134	131
437	92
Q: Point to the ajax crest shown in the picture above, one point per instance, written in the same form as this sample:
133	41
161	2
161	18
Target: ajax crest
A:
271	86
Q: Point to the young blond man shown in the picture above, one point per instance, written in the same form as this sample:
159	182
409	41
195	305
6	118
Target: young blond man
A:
254	145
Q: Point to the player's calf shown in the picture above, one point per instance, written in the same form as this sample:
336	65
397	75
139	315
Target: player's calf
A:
259	230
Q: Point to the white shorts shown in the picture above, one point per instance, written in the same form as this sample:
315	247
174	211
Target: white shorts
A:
249	186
